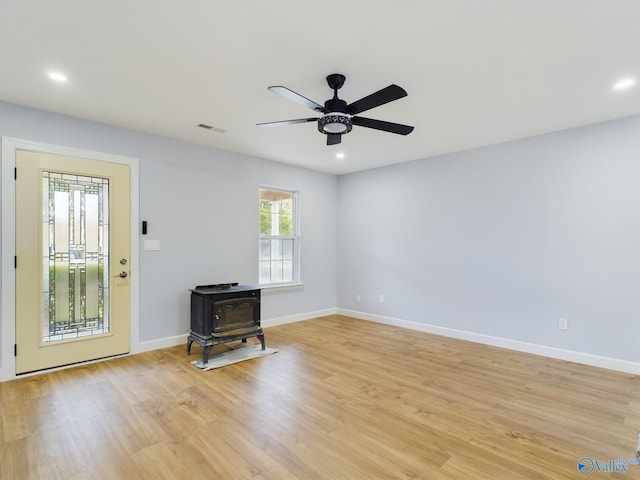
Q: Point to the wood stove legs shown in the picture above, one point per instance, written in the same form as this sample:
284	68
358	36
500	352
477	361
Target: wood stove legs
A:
207	344
261	338
205	354
205	347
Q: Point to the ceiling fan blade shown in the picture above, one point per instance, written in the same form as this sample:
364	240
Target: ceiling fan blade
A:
296	97
334	138
380	125
287	122
386	95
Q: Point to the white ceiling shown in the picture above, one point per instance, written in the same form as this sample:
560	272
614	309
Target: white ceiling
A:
477	72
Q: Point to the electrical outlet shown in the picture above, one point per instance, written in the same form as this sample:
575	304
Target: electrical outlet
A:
357	298
563	324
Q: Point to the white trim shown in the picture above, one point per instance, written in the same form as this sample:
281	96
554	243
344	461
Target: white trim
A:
7	241
520	346
273	322
159	343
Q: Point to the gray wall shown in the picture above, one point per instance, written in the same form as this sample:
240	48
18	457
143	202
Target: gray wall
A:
202	204
504	240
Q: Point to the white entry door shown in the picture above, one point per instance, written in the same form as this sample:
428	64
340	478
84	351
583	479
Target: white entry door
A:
72	260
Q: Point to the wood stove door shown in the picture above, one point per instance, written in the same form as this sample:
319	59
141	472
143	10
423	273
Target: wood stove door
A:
236	313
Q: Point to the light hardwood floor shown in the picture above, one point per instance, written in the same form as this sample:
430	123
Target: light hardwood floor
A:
342	399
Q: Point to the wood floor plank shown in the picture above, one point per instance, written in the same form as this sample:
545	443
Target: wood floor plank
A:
342	399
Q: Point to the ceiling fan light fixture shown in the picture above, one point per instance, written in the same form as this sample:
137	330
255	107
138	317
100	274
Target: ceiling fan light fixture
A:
335	123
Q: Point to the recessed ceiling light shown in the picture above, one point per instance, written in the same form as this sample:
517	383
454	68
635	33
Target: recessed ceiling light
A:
340	155
57	77
625	83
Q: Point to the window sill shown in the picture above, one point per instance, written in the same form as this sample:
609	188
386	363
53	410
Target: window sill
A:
281	286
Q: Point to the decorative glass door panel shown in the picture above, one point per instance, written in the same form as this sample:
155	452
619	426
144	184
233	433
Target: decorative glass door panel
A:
72	250
75	269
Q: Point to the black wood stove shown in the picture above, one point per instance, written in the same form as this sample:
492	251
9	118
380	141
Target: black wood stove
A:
223	313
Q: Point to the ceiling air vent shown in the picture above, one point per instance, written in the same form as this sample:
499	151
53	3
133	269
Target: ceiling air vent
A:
209	127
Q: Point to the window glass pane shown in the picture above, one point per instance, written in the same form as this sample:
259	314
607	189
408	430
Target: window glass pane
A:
265	217
60	220
276	249
287	249
265	272
276	272
287	271
265	249
285	215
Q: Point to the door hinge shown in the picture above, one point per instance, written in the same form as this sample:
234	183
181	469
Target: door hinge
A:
15	261
15	173
15	349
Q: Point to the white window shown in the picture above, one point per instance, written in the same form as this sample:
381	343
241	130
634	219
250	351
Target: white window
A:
278	237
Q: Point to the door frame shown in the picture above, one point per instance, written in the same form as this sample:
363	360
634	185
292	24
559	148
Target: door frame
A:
8	235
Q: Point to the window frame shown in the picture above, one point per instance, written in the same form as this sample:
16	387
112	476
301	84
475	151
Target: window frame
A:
295	237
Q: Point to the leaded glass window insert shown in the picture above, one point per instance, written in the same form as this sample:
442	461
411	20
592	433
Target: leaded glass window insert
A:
75	260
278	237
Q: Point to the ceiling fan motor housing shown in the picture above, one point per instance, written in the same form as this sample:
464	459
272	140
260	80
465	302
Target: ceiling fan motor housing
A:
335	105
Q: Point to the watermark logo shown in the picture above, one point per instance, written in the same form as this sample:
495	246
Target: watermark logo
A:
587	465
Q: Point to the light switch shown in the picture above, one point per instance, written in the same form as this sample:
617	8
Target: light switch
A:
151	245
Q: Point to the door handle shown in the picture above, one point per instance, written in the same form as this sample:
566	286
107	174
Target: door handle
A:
122	275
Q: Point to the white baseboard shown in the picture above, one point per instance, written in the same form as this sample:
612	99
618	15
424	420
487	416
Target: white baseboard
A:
520	346
160	343
272	322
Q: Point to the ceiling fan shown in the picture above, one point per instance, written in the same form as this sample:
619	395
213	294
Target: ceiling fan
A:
338	118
